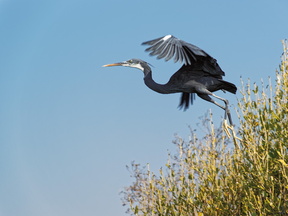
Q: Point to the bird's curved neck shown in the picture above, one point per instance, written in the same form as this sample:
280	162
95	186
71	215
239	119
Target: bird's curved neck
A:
148	80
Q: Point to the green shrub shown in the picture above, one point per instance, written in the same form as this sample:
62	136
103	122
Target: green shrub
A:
209	177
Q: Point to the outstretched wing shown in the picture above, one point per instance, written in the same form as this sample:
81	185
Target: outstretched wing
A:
169	47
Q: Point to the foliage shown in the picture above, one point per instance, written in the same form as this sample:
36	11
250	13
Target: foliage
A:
208	177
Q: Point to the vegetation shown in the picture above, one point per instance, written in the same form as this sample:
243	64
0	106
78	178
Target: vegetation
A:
209	177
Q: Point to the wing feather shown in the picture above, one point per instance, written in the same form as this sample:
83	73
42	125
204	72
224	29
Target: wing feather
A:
157	46
169	47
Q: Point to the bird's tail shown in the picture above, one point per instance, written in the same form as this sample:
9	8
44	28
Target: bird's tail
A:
229	86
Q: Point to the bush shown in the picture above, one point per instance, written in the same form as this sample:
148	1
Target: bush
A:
209	177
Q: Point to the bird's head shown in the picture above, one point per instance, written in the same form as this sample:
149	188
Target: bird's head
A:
134	63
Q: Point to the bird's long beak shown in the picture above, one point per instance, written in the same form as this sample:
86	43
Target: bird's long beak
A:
114	64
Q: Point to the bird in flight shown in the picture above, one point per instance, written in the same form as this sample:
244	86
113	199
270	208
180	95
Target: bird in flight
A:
200	73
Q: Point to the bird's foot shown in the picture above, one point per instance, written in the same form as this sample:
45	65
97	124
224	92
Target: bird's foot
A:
226	127
229	127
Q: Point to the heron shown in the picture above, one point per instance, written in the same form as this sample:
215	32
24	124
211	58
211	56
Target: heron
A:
200	73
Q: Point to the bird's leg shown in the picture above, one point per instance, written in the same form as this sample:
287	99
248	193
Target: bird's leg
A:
226	108
226	127
208	98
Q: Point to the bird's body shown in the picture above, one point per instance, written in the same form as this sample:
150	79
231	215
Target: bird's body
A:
199	74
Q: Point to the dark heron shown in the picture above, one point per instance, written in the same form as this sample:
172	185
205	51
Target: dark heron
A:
199	74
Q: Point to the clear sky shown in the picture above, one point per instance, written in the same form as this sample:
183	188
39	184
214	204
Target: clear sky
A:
68	127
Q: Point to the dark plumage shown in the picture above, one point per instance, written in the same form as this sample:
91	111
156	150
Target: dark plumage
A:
199	74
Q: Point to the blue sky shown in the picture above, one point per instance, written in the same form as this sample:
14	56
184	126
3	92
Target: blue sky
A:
68	127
